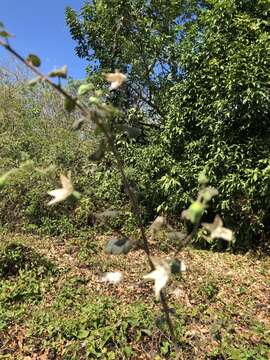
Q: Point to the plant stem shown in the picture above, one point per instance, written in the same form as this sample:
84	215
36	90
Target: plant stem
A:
128	189
168	318
187	239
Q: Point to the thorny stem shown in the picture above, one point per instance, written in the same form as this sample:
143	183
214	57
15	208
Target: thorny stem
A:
91	116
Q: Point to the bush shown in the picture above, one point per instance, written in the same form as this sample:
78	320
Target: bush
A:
219	116
40	153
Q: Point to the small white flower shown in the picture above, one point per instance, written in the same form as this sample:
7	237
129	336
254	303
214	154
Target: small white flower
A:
63	193
217	231
160	275
116	79
112	277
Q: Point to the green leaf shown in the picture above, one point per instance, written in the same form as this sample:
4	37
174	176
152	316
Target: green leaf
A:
127	350
5	34
33	60
69	104
4	177
3	181
61	72
194	212
85	88
76	194
94	100
83	334
165	347
118	246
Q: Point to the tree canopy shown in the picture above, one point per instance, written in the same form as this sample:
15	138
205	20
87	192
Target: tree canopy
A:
141	38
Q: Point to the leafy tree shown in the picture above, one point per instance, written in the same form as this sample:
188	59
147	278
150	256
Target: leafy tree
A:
219	116
201	70
139	37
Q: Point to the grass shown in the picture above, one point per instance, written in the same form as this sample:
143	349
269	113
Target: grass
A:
54	306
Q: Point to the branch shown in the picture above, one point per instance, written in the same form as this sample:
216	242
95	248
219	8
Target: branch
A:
187	239
148	102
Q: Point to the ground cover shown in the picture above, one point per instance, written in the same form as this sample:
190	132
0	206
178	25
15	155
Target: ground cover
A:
53	304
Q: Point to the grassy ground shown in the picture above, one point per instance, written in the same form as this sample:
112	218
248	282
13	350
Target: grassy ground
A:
54	306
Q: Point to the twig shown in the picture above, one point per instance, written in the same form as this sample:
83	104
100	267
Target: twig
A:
187	239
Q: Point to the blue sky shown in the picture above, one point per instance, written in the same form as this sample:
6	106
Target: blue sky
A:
40	28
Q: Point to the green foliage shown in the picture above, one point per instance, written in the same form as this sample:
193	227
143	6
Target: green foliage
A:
16	257
219	116
204	73
53	149
84	89
140	38
67	313
199	70
214	97
94	322
23	281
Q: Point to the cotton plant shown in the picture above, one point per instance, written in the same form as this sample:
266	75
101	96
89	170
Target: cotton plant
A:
198	207
193	214
160	275
97	113
163	268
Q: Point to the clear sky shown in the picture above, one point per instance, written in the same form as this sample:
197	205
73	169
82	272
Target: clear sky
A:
39	26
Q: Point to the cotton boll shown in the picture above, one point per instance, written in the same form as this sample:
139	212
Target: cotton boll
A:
112	277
